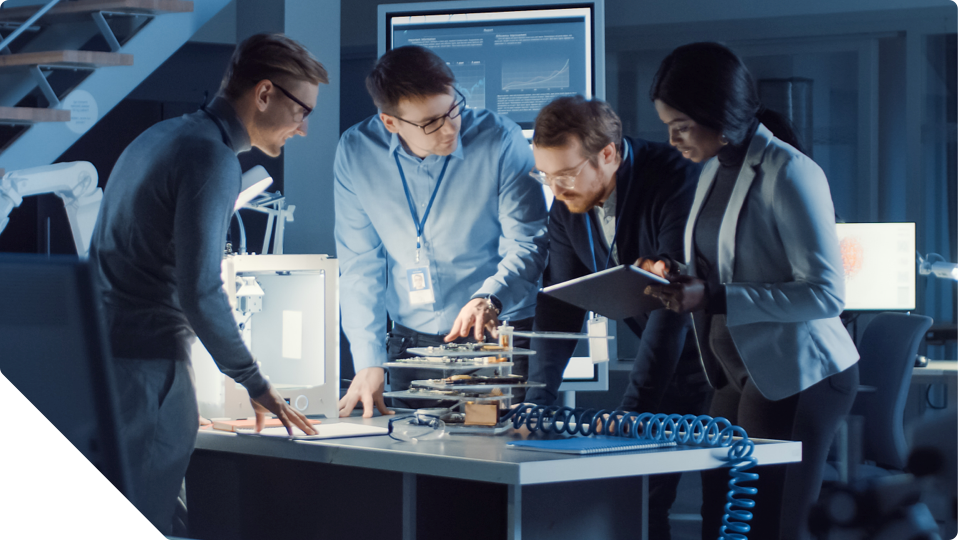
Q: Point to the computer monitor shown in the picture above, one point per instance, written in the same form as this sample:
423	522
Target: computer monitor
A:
508	58
54	351
879	264
581	375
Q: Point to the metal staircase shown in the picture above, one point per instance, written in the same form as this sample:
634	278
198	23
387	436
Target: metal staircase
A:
65	63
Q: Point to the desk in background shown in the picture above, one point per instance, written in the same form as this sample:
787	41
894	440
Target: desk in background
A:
937	368
933	387
461	486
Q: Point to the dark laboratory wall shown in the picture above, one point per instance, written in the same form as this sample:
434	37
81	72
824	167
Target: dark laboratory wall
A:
355	105
177	87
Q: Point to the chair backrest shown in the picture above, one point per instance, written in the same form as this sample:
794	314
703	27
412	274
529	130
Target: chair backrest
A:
888	347
53	349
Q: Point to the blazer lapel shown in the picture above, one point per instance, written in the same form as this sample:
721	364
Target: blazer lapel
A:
753	160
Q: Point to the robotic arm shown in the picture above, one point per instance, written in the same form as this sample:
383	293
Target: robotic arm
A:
75	183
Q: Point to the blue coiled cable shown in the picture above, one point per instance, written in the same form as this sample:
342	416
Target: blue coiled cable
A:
686	429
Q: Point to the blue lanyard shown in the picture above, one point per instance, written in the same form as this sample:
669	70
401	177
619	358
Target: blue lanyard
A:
420	224
588	225
615	235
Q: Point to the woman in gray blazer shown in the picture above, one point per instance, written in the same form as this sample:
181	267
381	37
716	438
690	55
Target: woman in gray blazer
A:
764	281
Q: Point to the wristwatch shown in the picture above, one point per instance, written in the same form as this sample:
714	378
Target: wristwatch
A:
494	302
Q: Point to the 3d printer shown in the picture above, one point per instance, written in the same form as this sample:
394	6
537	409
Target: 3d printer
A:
287	310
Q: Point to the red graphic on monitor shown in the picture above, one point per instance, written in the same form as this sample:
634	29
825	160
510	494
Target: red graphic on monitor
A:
853	255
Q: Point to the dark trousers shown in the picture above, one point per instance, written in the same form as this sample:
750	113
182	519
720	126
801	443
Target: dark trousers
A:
786	493
656	385
401	338
158	424
686	394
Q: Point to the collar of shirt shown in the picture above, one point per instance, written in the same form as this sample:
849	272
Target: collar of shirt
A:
396	145
607	208
235	130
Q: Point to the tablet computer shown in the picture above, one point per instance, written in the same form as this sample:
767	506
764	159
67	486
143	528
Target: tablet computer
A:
616	293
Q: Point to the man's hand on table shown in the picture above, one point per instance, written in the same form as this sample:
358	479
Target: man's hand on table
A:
271	402
367	387
478	315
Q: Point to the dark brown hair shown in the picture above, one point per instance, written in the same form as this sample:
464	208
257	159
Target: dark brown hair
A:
592	121
409	72
267	56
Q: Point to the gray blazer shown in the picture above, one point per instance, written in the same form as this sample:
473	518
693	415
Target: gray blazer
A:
780	262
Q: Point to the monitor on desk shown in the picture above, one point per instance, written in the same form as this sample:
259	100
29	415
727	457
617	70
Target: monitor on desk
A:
55	352
879	264
581	375
507	58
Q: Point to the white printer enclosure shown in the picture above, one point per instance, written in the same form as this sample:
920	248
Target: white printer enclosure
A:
287	310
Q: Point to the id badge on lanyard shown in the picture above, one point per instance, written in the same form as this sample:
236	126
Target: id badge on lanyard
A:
419	278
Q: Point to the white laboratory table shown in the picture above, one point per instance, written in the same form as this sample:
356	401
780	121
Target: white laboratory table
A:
461	486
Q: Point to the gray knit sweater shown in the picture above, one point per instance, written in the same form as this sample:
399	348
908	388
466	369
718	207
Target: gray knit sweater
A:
159	239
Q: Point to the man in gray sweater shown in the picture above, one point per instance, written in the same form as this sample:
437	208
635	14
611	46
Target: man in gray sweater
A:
157	250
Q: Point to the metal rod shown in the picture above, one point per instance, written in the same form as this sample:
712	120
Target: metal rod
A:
27	23
45	87
106	31
280	226
269	234
5	50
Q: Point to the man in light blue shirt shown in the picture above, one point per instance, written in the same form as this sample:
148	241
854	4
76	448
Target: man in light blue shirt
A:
438	224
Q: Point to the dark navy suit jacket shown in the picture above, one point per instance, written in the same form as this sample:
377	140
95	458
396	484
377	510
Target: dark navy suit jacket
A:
654	190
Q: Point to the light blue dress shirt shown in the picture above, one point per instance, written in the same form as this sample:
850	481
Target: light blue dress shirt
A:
486	232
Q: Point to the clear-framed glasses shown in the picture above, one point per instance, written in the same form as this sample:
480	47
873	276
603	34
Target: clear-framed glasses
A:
436	124
564	181
416	427
306	108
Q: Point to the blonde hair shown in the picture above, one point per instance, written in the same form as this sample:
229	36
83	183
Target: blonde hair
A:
265	56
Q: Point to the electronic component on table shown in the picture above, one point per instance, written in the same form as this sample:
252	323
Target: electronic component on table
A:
466	352
468	379
471	347
449	395
476	383
447	362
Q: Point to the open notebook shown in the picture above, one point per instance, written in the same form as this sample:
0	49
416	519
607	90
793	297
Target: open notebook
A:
326	431
589	445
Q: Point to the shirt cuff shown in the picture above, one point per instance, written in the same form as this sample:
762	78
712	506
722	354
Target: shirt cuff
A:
496	303
490	288
367	356
717	303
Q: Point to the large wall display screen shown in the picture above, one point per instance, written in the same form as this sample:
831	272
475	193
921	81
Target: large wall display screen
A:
510	61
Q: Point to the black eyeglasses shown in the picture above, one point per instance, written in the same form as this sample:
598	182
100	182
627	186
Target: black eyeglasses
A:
306	107
416	427
436	124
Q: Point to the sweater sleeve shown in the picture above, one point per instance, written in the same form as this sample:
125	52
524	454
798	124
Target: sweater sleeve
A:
208	183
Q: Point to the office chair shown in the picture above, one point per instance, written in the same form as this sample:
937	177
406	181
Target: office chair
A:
53	349
887	347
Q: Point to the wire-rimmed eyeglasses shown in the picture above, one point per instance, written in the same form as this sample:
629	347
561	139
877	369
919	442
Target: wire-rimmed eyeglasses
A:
436	124
416	427
306	108
564	181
